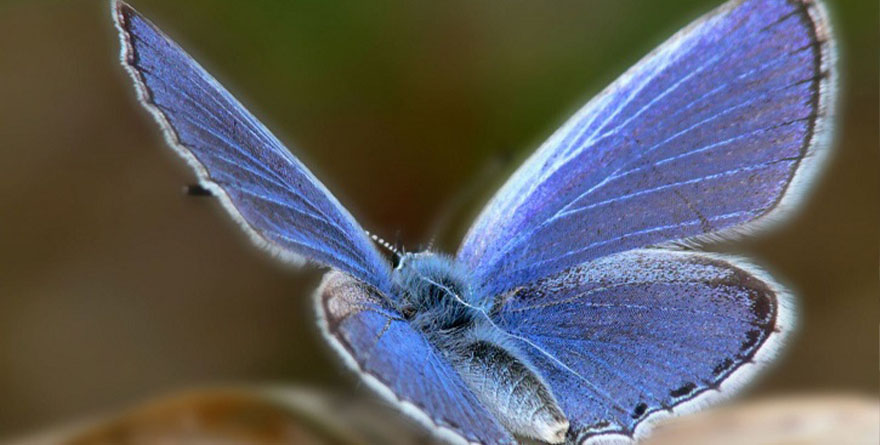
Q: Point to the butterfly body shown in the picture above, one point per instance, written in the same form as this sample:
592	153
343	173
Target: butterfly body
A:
438	301
578	307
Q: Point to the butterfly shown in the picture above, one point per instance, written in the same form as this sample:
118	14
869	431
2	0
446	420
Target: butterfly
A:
578	307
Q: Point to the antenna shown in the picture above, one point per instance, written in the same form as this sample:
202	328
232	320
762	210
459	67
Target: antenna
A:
197	190
384	244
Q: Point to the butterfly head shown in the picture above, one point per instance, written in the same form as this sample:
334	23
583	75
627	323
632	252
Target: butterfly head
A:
435	292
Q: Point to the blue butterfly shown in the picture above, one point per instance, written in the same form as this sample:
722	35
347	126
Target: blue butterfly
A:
577	308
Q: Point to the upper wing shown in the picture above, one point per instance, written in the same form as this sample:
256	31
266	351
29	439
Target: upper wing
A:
400	364
643	333
714	129
271	193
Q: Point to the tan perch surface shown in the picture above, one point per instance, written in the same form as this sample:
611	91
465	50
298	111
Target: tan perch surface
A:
306	417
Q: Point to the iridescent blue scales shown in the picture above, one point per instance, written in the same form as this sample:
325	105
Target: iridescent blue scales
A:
706	135
578	307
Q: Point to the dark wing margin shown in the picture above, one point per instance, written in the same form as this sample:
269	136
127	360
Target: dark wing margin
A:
631	338
399	363
271	194
716	133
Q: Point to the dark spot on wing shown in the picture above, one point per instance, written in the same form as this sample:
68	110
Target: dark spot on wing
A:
723	367
600	425
639	410
684	390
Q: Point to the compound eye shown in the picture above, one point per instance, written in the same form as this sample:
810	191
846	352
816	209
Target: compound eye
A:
408	312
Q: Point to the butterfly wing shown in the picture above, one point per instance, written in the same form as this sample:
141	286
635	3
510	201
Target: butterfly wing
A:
271	193
628	337
710	134
399	363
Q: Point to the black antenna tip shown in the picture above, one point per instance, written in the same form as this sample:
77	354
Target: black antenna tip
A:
197	190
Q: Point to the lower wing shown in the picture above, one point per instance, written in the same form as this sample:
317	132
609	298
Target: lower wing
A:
624	339
400	364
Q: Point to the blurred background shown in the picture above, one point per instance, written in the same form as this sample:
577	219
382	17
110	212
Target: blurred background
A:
115	287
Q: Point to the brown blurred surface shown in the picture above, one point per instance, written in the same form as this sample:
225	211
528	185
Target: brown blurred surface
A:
114	286
264	416
789	420
243	416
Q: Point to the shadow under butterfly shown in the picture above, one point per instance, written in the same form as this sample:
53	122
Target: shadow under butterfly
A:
578	308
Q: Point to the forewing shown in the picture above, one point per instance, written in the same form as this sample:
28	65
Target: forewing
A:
712	132
271	193
634	335
400	364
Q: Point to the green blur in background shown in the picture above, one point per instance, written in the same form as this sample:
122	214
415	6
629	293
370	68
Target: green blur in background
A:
114	286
